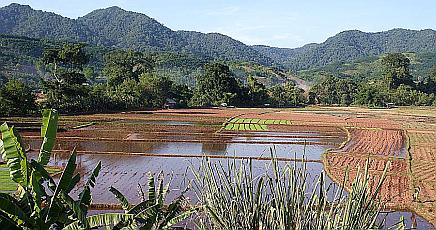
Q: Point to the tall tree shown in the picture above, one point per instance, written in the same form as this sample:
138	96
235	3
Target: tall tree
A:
216	86
397	70
286	95
372	95
257	93
332	90
429	84
156	89
125	65
66	88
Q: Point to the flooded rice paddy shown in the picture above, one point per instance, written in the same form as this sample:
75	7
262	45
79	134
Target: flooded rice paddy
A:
128	150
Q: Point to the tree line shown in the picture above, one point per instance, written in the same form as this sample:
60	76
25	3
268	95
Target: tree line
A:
133	83
396	86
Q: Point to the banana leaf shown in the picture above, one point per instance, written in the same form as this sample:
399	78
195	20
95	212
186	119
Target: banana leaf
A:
48	133
104	220
13	155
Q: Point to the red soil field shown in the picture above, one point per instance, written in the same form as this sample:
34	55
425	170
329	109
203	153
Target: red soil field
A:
375	142
394	192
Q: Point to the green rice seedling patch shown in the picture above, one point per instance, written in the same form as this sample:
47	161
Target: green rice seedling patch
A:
240	120
269	122
229	126
234	120
247	121
252	124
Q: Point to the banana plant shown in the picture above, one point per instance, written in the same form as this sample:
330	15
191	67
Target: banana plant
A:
152	213
32	207
14	155
28	201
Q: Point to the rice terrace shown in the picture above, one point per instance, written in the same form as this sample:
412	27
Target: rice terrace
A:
337	140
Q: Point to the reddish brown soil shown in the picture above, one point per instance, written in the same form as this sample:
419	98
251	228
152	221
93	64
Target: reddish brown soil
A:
372	122
395	189
375	142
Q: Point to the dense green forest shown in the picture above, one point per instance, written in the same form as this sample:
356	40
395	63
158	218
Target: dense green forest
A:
116	28
73	77
370	68
121	60
393	82
20	58
351	46
130	80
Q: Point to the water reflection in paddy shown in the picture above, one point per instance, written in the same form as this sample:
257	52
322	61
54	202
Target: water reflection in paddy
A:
312	152
125	172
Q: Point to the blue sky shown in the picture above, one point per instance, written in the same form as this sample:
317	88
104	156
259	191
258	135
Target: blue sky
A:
281	23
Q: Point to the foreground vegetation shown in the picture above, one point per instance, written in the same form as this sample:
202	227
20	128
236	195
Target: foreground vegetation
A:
32	207
235	198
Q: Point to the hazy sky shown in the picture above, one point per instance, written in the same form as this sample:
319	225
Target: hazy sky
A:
282	23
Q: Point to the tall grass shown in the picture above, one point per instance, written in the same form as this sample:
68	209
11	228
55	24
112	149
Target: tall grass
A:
233	197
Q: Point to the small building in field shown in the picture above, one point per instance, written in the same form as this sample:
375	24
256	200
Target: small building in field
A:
224	105
170	104
390	105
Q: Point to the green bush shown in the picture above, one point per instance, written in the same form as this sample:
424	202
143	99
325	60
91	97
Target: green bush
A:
232	197
16	98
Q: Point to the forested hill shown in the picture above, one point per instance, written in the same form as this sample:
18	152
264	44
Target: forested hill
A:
352	45
115	27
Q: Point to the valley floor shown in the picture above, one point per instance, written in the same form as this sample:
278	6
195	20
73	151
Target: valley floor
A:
338	139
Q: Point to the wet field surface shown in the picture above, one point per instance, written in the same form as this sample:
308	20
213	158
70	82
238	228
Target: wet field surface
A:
176	148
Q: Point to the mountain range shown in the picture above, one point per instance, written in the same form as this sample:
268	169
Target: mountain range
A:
118	28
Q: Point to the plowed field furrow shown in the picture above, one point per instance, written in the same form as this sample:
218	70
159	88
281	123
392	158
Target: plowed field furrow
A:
420	153
376	142
423	165
425	173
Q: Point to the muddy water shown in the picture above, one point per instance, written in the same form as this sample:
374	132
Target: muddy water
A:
312	152
412	220
125	172
251	146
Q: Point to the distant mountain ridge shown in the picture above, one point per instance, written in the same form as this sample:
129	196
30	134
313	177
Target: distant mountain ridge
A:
118	28
353	45
115	27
